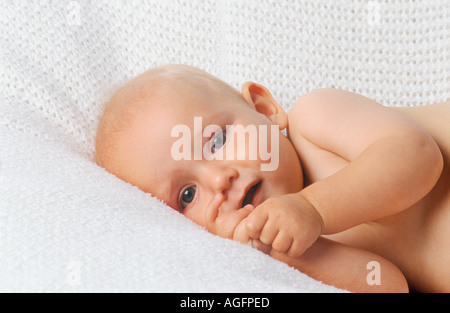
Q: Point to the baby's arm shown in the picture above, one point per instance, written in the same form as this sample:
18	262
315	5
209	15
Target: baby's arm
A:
393	161
346	267
327	261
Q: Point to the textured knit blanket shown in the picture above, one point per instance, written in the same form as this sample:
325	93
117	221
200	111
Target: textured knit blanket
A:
66	225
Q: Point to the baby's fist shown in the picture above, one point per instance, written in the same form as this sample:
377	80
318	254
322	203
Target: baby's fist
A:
289	223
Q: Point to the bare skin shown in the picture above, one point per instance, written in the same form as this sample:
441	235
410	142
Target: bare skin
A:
419	237
357	182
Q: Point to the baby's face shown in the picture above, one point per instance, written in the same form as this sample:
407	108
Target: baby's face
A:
149	153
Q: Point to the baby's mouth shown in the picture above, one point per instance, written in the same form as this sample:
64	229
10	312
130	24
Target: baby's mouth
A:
248	198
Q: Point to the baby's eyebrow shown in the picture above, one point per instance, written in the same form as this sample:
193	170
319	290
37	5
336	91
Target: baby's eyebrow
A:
212	119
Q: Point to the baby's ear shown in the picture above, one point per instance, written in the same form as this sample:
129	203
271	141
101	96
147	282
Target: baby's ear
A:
259	97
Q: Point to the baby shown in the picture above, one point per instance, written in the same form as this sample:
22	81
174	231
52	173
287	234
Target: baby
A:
352	187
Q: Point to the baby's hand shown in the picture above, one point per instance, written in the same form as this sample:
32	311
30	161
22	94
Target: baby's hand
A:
224	224
288	223
230	224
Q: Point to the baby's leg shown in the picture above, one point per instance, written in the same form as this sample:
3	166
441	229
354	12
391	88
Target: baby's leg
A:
346	267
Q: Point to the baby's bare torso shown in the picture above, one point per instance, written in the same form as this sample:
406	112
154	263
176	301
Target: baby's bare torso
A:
417	240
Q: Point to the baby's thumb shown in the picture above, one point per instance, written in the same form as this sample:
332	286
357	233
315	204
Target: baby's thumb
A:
240	234
227	222
255	243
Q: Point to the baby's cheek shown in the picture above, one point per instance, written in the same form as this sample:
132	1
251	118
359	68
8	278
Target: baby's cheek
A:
196	217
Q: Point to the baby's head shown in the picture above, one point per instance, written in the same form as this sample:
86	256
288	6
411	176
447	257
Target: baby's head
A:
169	130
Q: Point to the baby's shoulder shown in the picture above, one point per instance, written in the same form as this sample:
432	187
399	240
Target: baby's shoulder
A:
343	122
326	113
331	102
329	105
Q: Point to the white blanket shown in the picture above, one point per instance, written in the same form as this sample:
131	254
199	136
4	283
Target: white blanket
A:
66	225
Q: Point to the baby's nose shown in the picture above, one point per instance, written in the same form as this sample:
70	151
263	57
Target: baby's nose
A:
221	179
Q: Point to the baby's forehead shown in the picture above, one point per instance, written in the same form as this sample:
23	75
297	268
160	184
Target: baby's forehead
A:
190	99
177	97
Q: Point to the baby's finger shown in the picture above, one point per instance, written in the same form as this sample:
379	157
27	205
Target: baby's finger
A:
212	212
240	233
256	221
228	223
260	246
268	233
282	242
297	249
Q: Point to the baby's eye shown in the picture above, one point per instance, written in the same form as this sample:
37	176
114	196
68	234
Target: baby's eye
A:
218	141
187	196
